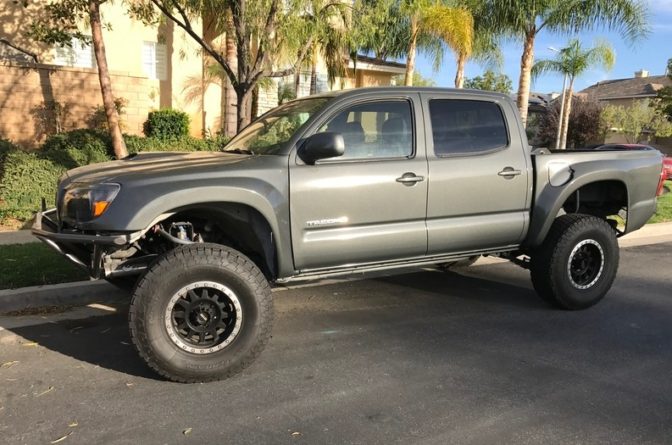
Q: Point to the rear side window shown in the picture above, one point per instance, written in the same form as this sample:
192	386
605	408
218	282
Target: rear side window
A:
465	127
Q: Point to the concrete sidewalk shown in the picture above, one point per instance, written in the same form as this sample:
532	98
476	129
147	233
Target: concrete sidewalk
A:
17	237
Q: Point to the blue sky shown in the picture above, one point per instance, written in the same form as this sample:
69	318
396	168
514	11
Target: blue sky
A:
650	54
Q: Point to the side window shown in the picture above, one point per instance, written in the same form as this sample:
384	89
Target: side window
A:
375	130
464	127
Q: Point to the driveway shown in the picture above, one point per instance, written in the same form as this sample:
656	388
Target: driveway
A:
425	357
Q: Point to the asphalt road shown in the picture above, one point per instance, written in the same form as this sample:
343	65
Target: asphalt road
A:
426	357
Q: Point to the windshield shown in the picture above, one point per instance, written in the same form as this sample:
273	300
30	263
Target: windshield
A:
269	133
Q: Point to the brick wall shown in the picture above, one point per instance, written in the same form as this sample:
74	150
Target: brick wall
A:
24	92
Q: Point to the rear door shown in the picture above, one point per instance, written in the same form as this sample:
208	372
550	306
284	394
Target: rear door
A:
370	204
479	174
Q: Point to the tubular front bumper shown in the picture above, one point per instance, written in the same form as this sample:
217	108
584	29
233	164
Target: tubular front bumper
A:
85	250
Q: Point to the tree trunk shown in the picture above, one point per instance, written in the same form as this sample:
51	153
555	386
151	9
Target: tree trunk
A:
459	75
313	72
526	62
244	107
105	85
230	126
565	118
412	49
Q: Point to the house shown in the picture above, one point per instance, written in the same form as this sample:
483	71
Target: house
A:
628	92
151	67
625	92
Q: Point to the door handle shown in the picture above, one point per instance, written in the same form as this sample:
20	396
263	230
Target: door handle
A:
410	178
509	173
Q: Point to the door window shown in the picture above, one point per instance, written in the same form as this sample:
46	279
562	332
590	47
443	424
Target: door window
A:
374	130
466	127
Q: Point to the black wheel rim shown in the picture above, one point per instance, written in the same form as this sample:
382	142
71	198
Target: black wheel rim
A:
203	317
585	264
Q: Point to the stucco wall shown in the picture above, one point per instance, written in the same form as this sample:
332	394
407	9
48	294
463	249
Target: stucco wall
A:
24	90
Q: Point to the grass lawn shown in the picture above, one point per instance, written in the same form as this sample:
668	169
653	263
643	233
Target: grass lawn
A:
35	264
664	212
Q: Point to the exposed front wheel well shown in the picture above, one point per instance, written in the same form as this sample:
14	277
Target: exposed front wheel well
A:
238	226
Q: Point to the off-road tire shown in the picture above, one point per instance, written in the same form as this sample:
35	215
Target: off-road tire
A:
452	265
558	266
177	269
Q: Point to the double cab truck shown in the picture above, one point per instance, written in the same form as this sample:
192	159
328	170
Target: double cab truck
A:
335	184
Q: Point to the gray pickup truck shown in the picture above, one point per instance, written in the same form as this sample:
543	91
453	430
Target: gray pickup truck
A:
334	184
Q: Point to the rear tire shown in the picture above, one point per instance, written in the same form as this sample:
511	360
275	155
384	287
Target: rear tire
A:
202	312
576	265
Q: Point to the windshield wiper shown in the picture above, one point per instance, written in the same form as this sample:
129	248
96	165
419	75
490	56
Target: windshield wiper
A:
240	151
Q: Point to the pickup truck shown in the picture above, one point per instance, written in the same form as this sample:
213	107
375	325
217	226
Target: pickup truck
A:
334	184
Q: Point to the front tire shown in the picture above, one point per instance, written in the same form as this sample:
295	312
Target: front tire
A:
576	265
202	312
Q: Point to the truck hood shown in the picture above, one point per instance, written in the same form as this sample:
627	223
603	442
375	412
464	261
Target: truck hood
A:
152	164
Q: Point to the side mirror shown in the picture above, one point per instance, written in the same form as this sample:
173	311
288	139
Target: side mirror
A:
321	146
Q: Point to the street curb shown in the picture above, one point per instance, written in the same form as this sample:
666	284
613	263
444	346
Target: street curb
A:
66	294
82	293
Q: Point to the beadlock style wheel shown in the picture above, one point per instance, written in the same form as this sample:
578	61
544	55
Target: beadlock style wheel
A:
203	317
585	264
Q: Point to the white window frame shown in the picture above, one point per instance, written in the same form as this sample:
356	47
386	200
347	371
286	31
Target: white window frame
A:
79	55
155	60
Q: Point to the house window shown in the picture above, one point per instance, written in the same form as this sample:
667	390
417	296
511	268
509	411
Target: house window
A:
154	60
78	54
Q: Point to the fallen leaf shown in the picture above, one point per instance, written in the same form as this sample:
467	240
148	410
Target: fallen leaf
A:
62	438
130	384
73	424
51	388
296	433
32	343
187	431
9	364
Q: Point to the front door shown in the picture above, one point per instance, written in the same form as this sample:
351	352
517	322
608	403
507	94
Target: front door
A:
369	204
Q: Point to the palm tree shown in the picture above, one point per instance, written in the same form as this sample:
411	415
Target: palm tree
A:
453	25
573	61
485	48
524	19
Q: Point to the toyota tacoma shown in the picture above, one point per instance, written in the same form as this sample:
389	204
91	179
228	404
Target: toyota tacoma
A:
334	184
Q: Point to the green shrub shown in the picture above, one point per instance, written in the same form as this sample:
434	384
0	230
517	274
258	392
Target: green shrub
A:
5	147
27	177
166	124
137	144
78	147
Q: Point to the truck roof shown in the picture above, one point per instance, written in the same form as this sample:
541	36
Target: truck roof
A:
405	89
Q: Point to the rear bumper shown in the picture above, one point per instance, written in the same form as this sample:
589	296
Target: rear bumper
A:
84	250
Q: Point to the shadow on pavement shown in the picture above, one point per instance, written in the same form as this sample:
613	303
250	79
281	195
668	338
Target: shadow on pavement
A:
103	341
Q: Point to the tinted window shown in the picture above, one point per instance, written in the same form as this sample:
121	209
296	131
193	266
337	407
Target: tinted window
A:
466	126
375	130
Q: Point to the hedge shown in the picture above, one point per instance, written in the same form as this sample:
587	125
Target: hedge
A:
27	177
166	124
78	147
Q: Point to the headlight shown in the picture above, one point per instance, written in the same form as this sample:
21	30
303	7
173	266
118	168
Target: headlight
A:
84	202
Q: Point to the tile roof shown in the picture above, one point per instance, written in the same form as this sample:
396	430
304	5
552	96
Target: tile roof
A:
637	87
